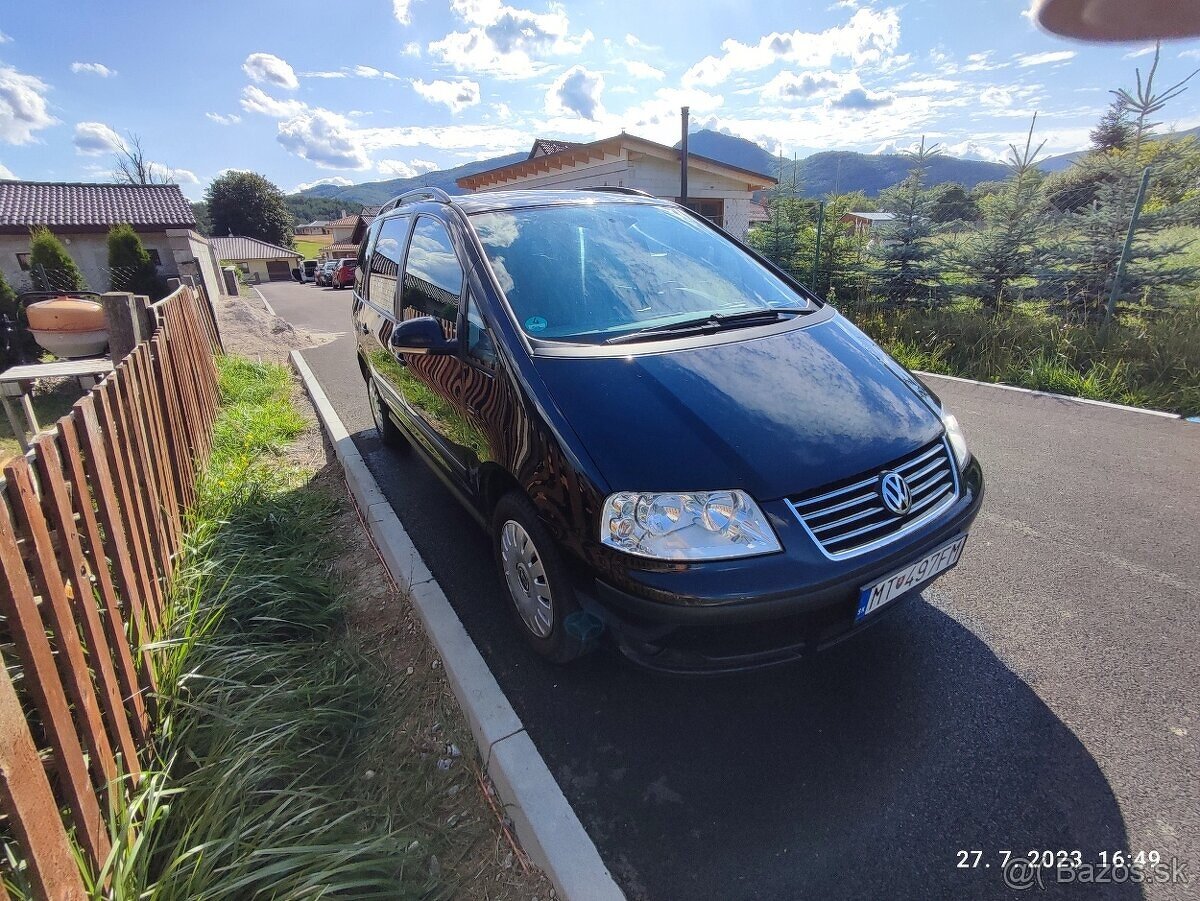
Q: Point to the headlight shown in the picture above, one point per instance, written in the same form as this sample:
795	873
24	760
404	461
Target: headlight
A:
958	441
698	525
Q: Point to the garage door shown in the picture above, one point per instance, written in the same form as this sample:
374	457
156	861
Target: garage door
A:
279	270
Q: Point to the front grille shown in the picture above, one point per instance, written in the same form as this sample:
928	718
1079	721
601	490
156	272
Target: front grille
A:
852	519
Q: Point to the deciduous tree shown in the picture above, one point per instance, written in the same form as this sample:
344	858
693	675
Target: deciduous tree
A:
248	205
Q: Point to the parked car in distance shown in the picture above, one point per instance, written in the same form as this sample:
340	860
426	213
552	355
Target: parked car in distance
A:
325	272
310	270
669	441
343	273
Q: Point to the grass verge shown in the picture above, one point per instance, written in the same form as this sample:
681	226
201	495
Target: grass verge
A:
1145	362
289	762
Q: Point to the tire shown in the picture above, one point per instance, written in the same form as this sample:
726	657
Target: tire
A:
542	599
389	432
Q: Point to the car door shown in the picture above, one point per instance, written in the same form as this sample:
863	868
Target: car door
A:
435	385
375	300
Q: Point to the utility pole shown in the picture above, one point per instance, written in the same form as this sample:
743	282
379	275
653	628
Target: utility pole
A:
683	159
812	282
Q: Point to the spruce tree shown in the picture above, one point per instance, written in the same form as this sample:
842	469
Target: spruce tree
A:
53	268
908	266
1083	264
1006	249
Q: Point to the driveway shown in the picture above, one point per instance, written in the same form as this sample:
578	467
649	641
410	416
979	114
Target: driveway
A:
1042	696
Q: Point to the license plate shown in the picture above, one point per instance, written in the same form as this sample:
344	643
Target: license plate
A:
887	589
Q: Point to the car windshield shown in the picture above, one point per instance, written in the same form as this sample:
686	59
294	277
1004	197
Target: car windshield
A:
589	272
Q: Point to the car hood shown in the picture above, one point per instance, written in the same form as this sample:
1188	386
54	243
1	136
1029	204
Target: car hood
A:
775	415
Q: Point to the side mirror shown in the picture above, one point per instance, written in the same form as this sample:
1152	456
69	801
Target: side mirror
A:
422	335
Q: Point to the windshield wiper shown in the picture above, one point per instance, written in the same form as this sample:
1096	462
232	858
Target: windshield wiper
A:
713	322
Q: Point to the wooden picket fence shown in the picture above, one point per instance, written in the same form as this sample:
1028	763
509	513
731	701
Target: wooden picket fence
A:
91	524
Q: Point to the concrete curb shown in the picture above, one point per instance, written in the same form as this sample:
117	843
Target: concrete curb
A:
265	302
548	828
1077	400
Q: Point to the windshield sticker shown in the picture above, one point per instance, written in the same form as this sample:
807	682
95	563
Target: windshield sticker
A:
535	324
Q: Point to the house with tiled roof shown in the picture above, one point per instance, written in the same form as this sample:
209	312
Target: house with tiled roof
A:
259	261
347	235
717	191
316	227
80	215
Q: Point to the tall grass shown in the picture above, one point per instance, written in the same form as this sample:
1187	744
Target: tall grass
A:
266	712
1147	361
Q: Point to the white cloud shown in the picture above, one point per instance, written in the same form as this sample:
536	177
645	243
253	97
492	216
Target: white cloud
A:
412	48
633	40
1039	59
95	138
861	99
792	86
179	176
973	150
395	169
22	106
5	172
324	138
639	69
577	91
267	68
895	146
256	100
1141	51
4	38
868	37
93	69
1190	54
400	11
339	73
477	139
456	94
372	72
220	119
424	165
503	111
982	62
336	180
505	41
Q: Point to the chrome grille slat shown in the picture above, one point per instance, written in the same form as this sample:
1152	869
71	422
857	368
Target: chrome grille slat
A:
847	521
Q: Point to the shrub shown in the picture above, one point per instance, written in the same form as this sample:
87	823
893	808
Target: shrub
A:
50	260
132	268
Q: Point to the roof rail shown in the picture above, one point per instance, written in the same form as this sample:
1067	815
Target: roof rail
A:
617	189
418	194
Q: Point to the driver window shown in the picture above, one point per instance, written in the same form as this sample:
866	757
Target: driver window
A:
433	278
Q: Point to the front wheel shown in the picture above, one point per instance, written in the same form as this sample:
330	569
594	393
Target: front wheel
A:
389	432
539	589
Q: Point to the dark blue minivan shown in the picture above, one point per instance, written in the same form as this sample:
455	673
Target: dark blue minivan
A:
673	445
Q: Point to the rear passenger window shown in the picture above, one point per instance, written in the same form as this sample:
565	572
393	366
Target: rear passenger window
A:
433	278
385	262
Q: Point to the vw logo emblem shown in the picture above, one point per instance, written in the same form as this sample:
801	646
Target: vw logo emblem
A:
895	493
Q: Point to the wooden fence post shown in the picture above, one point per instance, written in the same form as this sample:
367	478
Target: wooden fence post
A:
128	319
30	805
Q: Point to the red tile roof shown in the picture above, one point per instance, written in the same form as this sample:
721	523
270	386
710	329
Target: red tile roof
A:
91	207
346	221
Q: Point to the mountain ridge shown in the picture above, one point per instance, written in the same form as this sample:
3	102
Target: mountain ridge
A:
816	175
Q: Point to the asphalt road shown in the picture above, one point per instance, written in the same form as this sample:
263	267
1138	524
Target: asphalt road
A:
1042	696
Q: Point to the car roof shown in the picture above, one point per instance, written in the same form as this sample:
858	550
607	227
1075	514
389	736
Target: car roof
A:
489	201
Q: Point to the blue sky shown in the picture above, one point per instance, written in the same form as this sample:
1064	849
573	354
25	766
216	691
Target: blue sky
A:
368	89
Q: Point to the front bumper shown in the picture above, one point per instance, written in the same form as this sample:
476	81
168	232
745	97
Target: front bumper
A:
729	616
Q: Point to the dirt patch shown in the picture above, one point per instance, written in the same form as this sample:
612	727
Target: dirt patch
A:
248	330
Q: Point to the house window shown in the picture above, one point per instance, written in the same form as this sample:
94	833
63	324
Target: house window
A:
712	209
154	257
23	261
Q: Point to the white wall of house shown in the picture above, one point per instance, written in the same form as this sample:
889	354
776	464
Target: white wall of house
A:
90	253
651	174
256	270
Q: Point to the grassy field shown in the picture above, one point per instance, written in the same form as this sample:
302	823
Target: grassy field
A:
309	248
50	402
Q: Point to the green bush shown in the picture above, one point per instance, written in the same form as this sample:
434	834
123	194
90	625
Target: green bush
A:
60	271
132	268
